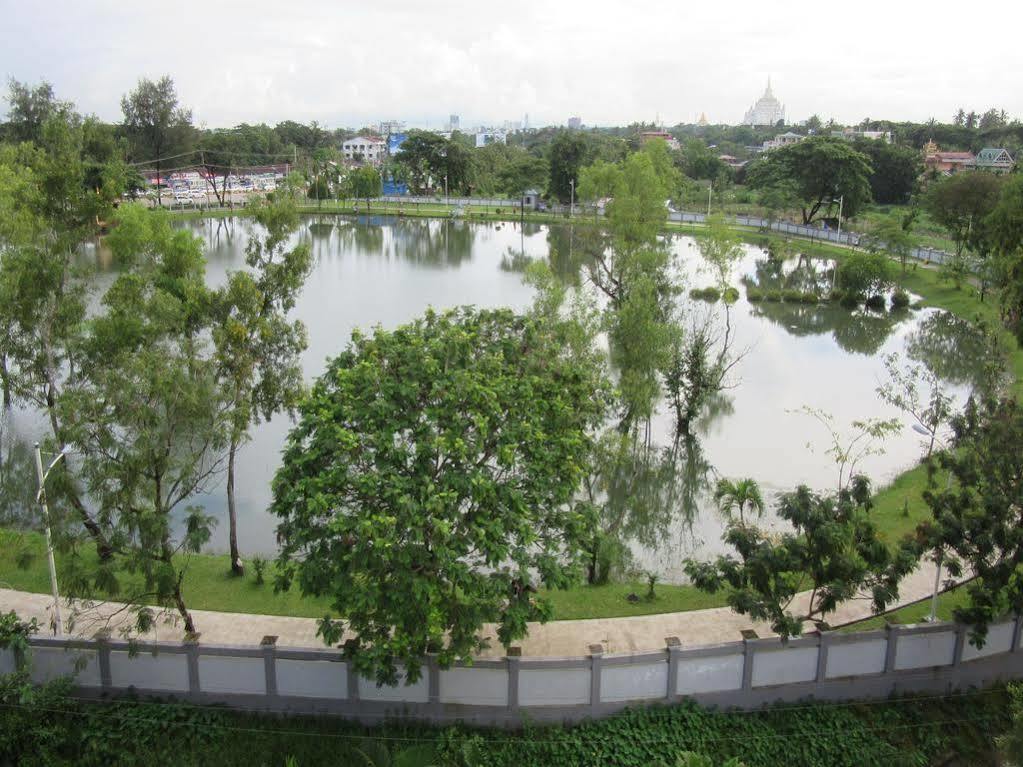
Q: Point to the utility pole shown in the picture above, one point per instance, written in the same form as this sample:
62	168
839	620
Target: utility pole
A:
710	191
841	203
41	497
571	205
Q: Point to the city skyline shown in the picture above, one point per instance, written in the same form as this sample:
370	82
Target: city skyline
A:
349	67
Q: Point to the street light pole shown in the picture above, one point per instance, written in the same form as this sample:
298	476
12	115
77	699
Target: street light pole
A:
710	191
41	497
940	554
841	202
571	205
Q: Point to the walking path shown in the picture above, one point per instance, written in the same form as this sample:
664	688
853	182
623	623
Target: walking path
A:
554	639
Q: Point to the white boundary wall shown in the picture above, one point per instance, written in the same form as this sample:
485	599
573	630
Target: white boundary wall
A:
744	674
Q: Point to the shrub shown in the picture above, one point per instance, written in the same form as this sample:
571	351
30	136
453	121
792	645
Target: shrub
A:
753	295
811	298
861	274
900	299
730	295
772	295
876	302
705	294
259	565
792	296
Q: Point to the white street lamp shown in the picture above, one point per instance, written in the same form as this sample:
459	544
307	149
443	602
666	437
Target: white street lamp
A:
41	498
571	205
939	555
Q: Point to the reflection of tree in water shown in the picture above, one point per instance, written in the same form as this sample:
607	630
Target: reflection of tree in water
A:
321	229
952	348
433	243
17	478
857	332
803	273
641	494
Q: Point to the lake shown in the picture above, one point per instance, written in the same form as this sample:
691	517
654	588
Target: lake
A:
387	271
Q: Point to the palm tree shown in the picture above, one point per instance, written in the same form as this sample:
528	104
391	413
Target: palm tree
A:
737	496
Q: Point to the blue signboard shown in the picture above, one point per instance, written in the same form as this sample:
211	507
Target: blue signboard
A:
394	142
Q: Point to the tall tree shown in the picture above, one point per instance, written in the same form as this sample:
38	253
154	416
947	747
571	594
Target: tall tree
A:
959	202
257	347
29	108
895	171
821	170
1004	226
430	485
566	156
156	125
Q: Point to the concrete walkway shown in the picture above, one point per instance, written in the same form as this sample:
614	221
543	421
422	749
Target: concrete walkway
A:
554	639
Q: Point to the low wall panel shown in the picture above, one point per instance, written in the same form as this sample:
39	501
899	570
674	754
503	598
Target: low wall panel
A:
6	661
999	639
935	648
53	662
554	686
163	671
474	686
219	673
856	658
633	682
709	674
312	678
403	693
784	666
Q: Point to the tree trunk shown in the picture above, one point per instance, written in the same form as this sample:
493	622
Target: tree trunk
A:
5	376
232	518
179	603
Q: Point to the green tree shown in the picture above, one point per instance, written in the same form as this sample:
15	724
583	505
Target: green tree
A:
960	201
895	170
833	552
1005	229
895	236
721	248
820	170
978	514
566	156
147	417
738	495
863	274
29	108
156	125
257	347
365	182
429	485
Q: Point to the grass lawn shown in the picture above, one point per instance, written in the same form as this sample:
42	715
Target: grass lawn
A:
914	613
899	507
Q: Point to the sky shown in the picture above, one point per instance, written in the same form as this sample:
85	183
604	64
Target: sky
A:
349	64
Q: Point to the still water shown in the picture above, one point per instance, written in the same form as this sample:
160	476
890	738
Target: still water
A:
385	271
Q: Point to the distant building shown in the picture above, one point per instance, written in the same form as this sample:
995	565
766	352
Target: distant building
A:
453	122
767	111
730	161
487	137
387	127
995	159
531	199
702	122
851	134
947	162
650	135
370	149
784	139
575	123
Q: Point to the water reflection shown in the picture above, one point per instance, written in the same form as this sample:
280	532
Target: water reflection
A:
952	348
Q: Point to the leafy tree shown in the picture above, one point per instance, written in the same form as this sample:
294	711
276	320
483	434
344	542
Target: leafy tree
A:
429	485
1004	227
733	496
429	159
833	551
566	156
365	182
960	201
821	170
895	236
156	125
699	162
721	248
257	346
978	516
863	274
523	173
931	410
896	169
29	109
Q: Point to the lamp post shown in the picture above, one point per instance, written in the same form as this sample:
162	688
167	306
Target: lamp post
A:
940	554
710	191
841	203
571	204
41	497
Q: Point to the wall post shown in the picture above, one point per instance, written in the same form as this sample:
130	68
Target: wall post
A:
103	653
674	645
433	683
269	645
596	663
823	642
892	647
957	655
1017	627
749	638
513	659
191	644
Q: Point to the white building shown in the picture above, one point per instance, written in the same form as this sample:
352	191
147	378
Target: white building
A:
783	139
485	137
369	149
767	111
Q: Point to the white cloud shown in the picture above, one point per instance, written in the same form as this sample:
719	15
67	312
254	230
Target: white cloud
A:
349	63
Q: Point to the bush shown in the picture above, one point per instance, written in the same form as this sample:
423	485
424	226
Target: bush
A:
705	294
862	274
754	295
259	565
731	295
876	302
900	299
811	298
772	295
792	296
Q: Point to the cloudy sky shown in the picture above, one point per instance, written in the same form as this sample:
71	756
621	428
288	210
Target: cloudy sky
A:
347	63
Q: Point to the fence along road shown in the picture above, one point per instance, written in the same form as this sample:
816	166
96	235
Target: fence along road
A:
932	658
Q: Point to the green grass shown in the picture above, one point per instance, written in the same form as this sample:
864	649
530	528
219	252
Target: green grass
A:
914	613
